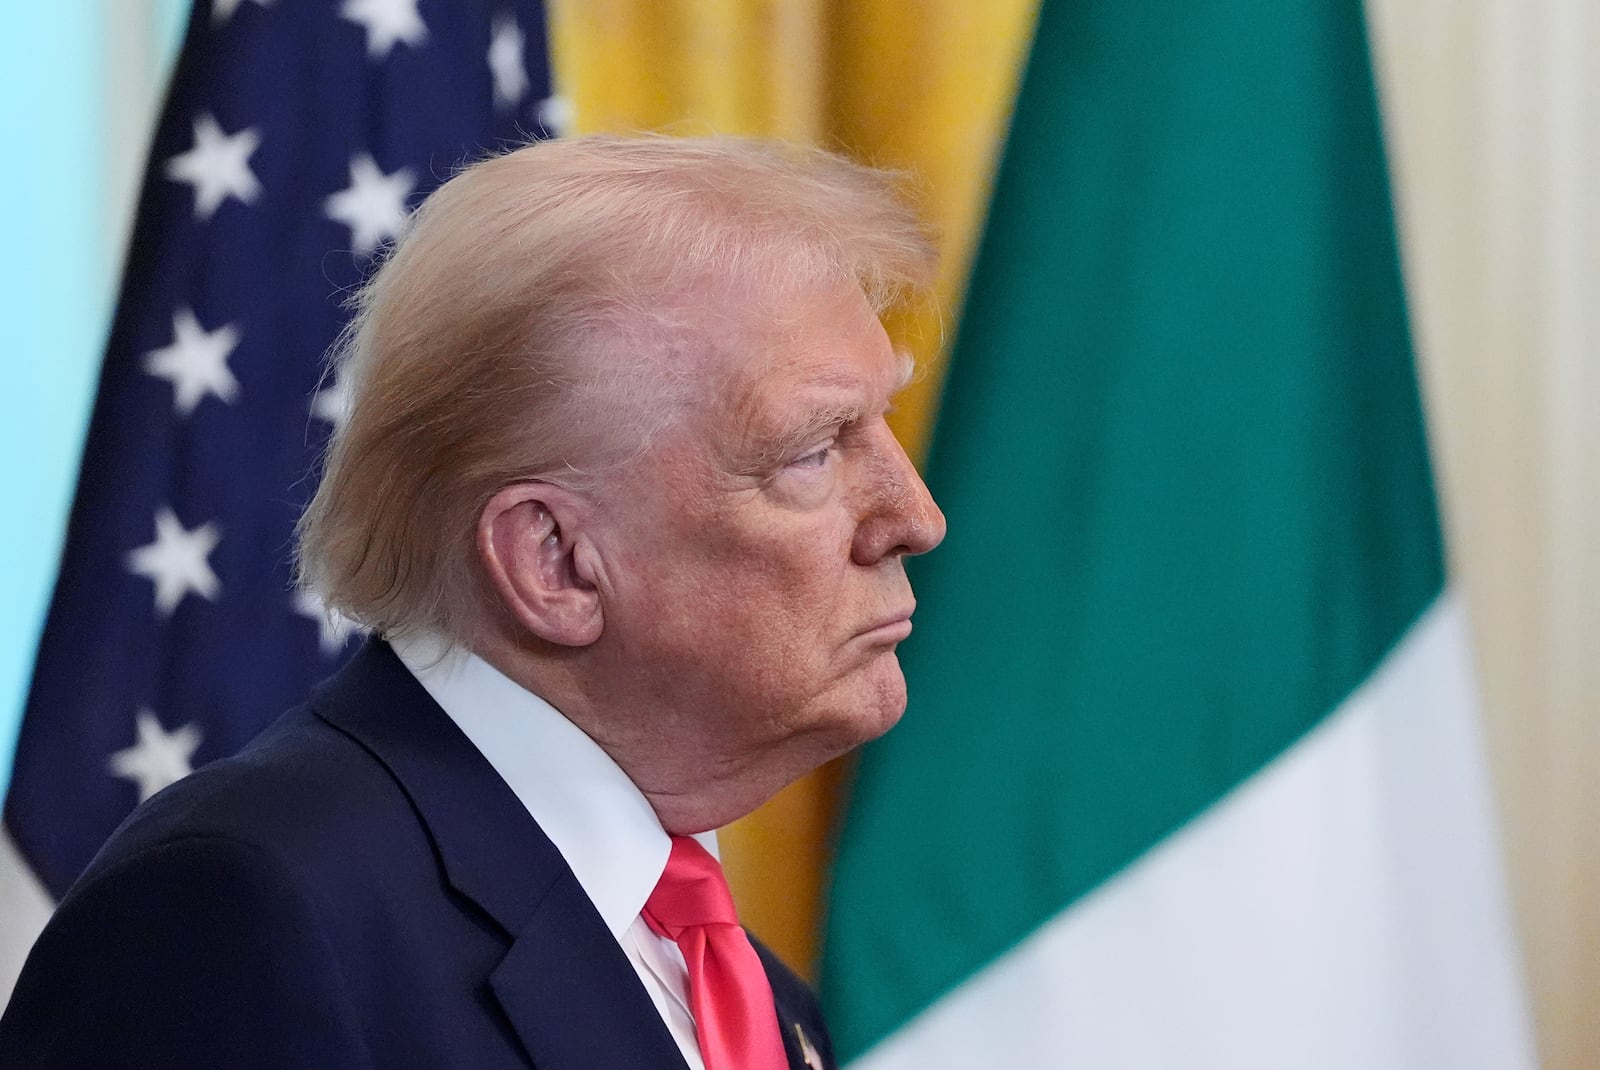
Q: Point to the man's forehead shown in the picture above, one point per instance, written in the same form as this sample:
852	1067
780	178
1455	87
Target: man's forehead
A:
743	358
828	353
834	368
754	391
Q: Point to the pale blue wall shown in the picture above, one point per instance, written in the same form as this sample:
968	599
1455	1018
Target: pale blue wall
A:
57	271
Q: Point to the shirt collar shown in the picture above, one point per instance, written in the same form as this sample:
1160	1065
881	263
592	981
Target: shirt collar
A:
597	818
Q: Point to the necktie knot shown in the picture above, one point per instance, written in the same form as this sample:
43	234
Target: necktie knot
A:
692	891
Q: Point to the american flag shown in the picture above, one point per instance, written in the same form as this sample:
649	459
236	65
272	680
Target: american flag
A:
296	137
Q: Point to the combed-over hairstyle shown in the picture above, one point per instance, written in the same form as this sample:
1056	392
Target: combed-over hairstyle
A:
529	290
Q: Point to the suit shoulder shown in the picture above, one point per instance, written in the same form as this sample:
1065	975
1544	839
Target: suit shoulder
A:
302	792
197	950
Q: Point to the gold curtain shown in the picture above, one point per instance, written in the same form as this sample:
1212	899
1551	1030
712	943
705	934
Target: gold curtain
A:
925	88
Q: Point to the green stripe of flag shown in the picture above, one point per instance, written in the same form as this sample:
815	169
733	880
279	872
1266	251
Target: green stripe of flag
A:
1182	458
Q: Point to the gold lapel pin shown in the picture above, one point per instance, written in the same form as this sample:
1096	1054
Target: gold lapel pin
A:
807	1052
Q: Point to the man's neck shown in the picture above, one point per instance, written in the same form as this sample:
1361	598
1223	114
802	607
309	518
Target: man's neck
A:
692	786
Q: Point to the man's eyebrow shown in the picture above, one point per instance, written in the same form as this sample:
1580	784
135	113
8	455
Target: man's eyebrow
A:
815	423
827	417
776	446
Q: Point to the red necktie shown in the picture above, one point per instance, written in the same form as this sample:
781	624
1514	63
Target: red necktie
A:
728	991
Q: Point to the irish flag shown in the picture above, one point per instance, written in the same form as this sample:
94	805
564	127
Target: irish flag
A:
1191	775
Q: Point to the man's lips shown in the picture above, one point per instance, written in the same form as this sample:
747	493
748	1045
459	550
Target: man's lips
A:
890	629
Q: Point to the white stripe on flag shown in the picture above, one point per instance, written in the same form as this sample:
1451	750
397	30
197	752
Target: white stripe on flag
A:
24	908
1343	908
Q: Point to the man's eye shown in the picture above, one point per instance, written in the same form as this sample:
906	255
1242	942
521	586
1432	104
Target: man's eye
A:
814	459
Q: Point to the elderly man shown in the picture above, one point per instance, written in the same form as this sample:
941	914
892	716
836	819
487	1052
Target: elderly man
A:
617	492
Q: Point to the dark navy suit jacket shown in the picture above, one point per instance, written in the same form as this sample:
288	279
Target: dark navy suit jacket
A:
357	888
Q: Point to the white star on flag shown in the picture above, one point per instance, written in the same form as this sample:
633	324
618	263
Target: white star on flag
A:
218	167
159	758
332	402
555	113
506	43
222	10
196	363
333	627
176	562
374	205
386	22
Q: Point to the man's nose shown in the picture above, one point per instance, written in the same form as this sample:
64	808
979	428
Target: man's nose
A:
902	517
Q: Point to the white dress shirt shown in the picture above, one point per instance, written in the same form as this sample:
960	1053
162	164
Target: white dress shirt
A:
599	821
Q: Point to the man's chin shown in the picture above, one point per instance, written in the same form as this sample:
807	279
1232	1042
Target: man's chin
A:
859	709
882	702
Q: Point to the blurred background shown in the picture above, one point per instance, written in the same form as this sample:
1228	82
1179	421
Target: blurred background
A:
1492	122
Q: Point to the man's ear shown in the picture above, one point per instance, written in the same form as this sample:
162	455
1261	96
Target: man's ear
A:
529	540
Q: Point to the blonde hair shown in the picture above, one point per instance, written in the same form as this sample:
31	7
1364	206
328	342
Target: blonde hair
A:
532	292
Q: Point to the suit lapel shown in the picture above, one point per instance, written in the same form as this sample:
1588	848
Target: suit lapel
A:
806	1043
568	990
568	997
794	1036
